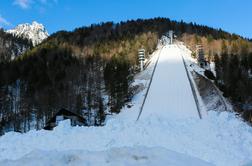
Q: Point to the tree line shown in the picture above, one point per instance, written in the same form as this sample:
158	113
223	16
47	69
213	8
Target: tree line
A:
12	46
234	78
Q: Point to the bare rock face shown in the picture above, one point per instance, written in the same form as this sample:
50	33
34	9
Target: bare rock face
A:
35	32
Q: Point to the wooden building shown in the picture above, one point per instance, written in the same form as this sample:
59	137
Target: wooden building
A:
64	114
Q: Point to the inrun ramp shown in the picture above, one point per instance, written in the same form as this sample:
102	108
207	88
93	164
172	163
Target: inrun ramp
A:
170	94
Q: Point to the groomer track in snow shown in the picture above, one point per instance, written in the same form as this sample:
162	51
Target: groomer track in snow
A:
170	92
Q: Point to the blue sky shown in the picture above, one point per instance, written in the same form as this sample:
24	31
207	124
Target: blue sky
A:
230	15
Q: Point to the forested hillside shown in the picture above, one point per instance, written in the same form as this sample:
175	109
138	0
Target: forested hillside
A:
89	70
12	46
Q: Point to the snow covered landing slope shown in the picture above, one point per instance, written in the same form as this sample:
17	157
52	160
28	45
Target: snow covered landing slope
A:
170	94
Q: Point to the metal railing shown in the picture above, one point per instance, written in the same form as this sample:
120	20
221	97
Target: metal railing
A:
192	88
148	88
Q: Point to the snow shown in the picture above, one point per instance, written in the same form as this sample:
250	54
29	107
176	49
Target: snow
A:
212	68
220	138
214	99
170	94
35	32
113	157
191	66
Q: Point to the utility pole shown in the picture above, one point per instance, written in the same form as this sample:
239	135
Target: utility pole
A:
141	57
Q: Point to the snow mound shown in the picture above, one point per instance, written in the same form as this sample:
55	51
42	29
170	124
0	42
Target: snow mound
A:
35	32
113	157
220	138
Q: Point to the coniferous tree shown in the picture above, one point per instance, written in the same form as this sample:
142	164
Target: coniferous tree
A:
117	77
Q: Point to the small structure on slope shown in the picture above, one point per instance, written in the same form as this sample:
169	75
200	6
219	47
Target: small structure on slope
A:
141	57
171	36
64	114
201	56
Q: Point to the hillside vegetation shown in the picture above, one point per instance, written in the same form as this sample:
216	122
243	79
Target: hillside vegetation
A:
11	46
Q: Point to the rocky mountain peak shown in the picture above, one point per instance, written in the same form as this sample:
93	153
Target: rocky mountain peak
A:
36	32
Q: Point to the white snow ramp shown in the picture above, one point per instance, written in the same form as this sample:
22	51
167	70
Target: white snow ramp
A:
170	94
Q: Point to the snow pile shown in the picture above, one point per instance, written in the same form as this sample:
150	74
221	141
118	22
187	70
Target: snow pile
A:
35	32
220	138
113	157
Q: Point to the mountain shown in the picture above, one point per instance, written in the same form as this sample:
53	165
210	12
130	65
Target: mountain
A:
35	32
16	41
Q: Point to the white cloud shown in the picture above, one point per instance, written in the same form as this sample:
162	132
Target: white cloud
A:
4	22
24	4
48	2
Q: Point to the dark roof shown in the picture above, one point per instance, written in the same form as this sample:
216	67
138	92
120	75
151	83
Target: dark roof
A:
66	113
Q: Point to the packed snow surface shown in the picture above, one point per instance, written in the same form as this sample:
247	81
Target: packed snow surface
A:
138	156
170	94
220	138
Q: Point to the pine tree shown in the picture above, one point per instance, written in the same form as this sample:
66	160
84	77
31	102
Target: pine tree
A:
224	48
250	61
78	104
101	114
117	80
233	74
